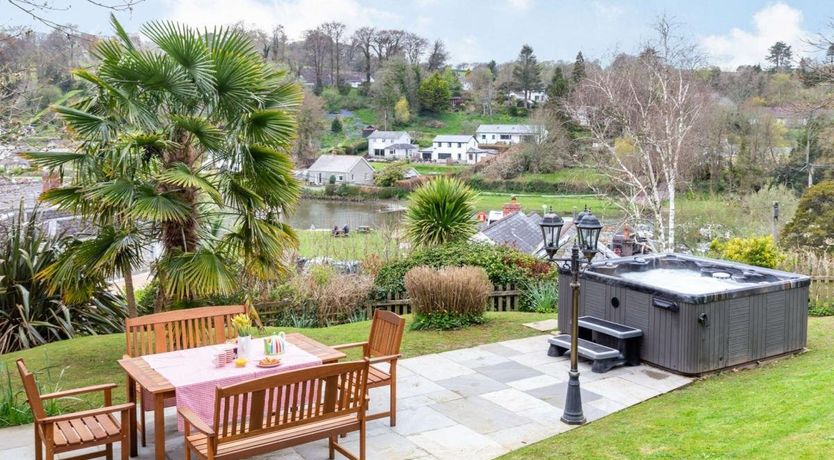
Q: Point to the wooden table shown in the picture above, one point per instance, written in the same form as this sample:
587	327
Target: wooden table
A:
139	372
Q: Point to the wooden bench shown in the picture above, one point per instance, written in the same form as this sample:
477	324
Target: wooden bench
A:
604	358
624	338
283	410
172	331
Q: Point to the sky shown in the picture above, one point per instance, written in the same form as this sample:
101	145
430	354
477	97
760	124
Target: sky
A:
728	32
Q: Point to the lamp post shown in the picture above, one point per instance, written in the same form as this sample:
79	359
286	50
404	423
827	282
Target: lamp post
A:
588	228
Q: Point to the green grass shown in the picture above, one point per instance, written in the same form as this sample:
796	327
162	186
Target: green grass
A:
784	409
573	176
92	360
562	204
357	246
424	168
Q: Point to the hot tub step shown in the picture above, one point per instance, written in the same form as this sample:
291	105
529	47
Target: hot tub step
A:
604	358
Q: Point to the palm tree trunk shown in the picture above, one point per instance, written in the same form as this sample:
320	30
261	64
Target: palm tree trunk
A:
127	273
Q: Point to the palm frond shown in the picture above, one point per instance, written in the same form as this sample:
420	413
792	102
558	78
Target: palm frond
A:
184	45
87	124
197	274
271	127
118	193
239	196
159	207
68	198
52	160
181	176
120	32
211	137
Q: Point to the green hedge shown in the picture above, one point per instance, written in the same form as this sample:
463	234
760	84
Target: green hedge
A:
531	186
503	265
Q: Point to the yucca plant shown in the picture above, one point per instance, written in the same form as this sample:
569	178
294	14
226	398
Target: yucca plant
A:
174	142
441	211
31	313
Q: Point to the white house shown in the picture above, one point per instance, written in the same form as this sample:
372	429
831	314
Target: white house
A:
510	134
348	169
533	97
400	151
455	148
380	143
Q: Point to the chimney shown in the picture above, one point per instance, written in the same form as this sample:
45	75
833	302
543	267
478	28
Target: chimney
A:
512	207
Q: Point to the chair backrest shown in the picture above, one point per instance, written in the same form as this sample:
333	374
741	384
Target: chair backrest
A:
31	389
180	329
288	399
386	333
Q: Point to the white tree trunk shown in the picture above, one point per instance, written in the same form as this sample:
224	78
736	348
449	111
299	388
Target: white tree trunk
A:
670	245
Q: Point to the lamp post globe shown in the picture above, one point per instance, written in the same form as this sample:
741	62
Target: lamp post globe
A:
588	230
551	226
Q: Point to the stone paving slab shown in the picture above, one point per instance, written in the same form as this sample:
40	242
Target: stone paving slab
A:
473	403
547	325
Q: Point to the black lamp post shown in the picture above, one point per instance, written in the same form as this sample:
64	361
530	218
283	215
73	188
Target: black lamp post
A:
588	228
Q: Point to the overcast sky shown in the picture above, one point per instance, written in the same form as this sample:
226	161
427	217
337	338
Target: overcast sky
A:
729	32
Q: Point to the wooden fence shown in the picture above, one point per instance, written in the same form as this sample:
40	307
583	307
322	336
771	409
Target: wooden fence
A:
822	289
502	298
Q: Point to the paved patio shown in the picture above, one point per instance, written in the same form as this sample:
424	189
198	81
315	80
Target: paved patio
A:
473	403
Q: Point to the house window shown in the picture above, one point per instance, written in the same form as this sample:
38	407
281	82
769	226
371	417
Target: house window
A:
450	144
459	144
341	178
379	152
458	156
444	156
483	136
471	156
505	137
493	136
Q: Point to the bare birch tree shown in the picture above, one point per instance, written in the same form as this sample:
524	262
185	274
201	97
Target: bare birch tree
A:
642	114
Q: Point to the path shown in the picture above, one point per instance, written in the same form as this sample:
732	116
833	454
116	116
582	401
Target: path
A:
473	403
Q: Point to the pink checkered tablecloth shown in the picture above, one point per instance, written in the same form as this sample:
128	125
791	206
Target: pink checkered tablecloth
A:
195	378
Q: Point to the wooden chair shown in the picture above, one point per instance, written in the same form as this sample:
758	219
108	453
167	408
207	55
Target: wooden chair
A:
78	430
383	345
177	330
283	410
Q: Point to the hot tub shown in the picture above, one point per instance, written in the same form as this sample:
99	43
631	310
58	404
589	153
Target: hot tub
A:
697	315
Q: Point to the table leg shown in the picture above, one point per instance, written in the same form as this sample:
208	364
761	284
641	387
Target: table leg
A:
131	397
159	425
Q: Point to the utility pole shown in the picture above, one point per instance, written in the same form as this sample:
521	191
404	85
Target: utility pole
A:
774	227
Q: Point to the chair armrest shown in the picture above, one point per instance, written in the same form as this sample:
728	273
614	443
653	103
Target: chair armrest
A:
88	413
381	359
198	423
78	391
349	345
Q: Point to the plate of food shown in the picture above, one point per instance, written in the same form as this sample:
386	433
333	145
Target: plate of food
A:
269	362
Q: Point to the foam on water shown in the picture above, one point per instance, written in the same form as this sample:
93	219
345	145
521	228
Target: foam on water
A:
683	281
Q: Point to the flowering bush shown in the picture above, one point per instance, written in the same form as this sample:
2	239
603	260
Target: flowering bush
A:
759	251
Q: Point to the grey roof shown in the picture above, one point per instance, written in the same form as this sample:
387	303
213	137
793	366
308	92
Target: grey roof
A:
336	163
401	147
394	135
509	129
478	150
452	138
516	230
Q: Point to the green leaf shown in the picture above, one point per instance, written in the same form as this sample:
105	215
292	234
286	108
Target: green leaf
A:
184	45
159	207
197	274
271	127
209	136
87	124
118	193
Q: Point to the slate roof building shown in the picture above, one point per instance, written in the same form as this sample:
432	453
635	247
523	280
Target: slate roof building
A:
347	169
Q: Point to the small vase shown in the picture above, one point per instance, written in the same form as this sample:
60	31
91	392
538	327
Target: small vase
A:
244	346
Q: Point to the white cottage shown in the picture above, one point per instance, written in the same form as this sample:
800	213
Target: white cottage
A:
510	134
348	169
455	148
390	145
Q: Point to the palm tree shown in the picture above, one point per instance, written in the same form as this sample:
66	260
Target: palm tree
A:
184	148
441	211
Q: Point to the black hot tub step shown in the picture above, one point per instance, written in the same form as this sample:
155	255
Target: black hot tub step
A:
604	358
610	328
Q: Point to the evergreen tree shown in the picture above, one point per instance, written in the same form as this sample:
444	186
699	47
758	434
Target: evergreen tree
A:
434	93
780	54
336	125
578	68
527	73
558	87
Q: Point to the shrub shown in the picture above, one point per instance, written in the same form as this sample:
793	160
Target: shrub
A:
434	94
540	296
390	174
31	314
759	251
448	298
336	125
811	226
503	265
441	211
320	298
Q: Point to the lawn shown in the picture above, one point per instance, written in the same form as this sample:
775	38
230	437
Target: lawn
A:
561	204
581	177
357	246
92	360
783	409
424	168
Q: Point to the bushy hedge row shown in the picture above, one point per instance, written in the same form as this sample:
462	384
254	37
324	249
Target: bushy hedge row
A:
531	186
503	265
